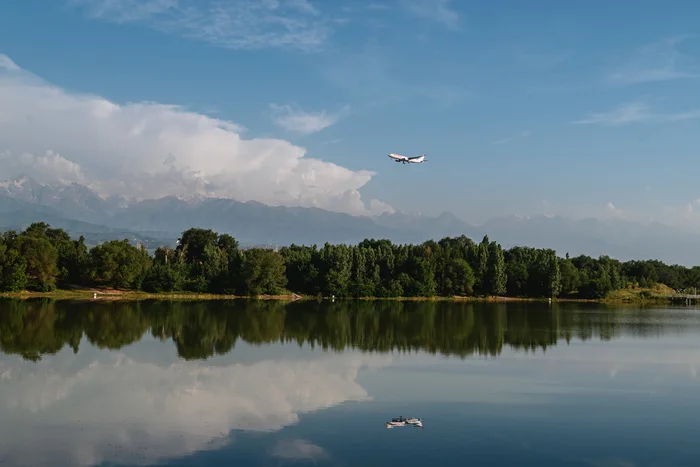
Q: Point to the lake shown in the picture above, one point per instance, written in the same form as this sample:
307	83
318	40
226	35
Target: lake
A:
274	384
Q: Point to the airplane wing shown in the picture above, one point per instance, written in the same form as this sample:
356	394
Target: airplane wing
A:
398	157
417	158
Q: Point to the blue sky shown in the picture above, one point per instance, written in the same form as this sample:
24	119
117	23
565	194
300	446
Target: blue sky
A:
574	108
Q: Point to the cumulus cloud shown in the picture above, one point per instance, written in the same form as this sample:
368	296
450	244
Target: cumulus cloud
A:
299	121
379	207
240	24
120	409
150	150
47	168
7	64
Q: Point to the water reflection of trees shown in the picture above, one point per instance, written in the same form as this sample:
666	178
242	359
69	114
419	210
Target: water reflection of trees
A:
202	329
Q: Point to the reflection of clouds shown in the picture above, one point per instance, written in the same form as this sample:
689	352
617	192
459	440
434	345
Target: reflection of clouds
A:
298	449
560	388
648	367
120	409
675	355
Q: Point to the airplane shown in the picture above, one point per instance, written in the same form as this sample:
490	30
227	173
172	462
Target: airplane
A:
409	160
400	421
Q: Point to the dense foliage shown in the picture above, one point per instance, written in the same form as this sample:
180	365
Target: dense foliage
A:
41	258
199	330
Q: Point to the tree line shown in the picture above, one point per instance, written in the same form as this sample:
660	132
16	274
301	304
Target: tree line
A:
199	330
41	258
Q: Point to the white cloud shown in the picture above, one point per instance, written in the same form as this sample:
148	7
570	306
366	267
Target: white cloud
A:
299	121
115	407
433	10
7	63
240	24
50	167
150	150
377	207
636	112
613	211
660	61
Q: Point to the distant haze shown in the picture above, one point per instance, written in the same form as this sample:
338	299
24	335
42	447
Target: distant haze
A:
80	211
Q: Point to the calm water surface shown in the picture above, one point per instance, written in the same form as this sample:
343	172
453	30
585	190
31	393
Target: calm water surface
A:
246	383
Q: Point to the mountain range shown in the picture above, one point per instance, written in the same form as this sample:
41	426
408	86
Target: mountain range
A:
80	211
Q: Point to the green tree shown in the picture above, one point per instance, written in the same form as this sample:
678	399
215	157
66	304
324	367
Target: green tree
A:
41	260
569	276
459	278
118	264
482	266
263	272
496	279
13	266
336	261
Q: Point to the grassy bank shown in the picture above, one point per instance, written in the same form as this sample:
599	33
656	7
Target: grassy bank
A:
656	294
115	294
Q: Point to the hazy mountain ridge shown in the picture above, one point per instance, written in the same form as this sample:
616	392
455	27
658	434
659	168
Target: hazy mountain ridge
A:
617	238
73	200
80	211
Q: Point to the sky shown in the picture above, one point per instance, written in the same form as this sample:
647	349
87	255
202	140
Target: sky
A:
548	107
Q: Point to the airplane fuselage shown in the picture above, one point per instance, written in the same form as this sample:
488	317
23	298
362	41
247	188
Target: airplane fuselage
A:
407	160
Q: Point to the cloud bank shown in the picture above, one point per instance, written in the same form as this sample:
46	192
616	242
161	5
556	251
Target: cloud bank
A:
150	150
125	410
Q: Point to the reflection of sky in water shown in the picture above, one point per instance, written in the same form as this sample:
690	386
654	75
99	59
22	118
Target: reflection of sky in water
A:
628	402
174	408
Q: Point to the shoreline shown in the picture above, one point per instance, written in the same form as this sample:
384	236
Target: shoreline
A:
96	294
